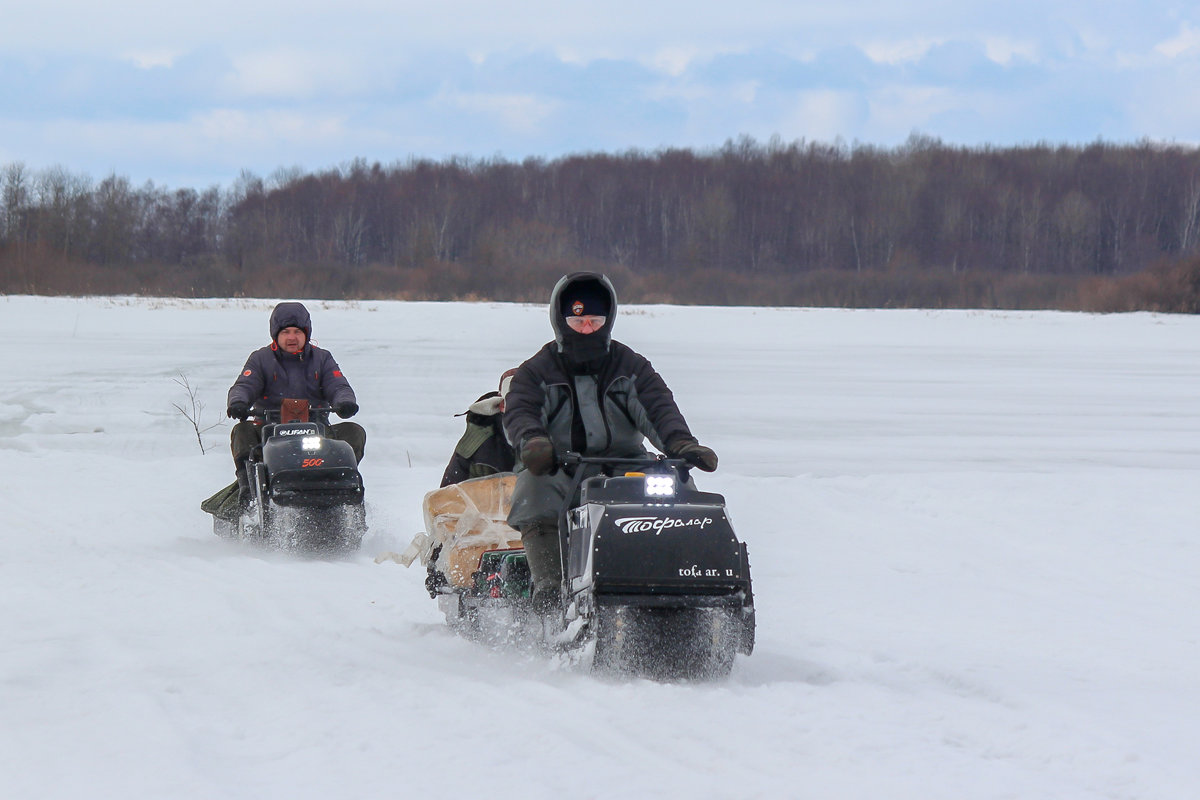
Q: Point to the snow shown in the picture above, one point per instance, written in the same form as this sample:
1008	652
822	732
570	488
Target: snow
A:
972	534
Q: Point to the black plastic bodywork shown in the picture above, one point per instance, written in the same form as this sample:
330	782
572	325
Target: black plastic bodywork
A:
306	493
307	468
627	549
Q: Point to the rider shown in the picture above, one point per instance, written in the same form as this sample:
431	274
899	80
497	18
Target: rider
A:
586	393
291	367
482	450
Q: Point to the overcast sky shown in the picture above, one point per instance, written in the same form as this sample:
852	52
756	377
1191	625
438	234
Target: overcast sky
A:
191	95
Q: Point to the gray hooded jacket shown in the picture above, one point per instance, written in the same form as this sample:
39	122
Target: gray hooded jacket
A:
590	394
272	375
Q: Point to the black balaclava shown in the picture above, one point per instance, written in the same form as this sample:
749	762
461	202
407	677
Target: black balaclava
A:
583	293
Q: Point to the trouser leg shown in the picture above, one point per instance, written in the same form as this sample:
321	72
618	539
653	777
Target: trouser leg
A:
540	540
242	439
352	434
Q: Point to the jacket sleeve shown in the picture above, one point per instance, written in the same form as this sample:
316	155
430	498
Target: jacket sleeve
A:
659	402
251	383
456	470
523	406
334	385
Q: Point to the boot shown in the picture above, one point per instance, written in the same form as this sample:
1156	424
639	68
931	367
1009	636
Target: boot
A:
545	568
243	482
547	600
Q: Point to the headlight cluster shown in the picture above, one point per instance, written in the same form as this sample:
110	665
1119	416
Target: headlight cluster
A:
660	486
310	443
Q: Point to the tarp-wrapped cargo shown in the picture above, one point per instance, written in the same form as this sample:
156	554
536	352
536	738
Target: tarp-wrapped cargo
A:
466	519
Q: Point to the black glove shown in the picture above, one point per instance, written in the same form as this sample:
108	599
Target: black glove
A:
693	452
537	454
238	409
347	409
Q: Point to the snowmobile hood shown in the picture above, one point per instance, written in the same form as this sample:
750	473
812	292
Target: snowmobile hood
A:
579	348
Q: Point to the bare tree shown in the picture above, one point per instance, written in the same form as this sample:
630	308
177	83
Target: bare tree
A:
193	411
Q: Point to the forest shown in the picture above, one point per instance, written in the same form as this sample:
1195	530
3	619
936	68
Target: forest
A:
1097	227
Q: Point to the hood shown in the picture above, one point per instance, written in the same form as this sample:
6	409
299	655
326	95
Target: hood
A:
291	315
482	410
579	348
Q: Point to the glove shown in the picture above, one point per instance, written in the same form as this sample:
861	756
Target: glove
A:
693	452
347	409
238	409
537	454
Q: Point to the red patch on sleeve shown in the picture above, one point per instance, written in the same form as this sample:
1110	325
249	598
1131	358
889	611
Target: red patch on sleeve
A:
246	373
337	373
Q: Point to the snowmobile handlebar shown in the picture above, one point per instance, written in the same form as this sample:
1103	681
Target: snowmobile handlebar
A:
572	459
273	414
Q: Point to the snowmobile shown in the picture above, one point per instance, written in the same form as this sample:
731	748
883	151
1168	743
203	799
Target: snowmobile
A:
655	582
306	492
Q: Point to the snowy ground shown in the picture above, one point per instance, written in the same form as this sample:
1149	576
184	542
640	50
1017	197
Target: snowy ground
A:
973	538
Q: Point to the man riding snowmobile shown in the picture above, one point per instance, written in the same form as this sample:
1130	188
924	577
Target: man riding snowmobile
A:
290	367
589	394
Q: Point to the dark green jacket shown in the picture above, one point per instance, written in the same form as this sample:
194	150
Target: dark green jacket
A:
481	451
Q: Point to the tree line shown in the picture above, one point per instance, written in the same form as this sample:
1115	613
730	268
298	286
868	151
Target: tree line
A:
1100	227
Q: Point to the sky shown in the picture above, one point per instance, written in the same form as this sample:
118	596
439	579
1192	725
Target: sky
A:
193	96
972	537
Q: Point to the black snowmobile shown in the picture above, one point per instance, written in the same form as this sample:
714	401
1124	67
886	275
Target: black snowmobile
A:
306	493
655	582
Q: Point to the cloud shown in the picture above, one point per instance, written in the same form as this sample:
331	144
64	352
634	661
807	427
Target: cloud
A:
232	85
1187	40
289	73
898	110
267	128
898	51
960	64
514	112
1004	50
824	115
148	59
674	60
207	148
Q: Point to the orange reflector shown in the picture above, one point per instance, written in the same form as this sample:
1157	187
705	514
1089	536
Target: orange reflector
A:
635	474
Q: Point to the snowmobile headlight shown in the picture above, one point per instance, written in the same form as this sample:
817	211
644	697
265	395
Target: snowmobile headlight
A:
310	443
660	486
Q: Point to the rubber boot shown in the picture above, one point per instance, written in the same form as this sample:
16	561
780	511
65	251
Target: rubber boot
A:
545	569
243	482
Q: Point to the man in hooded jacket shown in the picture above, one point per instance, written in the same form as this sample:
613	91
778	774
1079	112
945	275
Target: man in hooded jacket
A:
587	393
291	367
